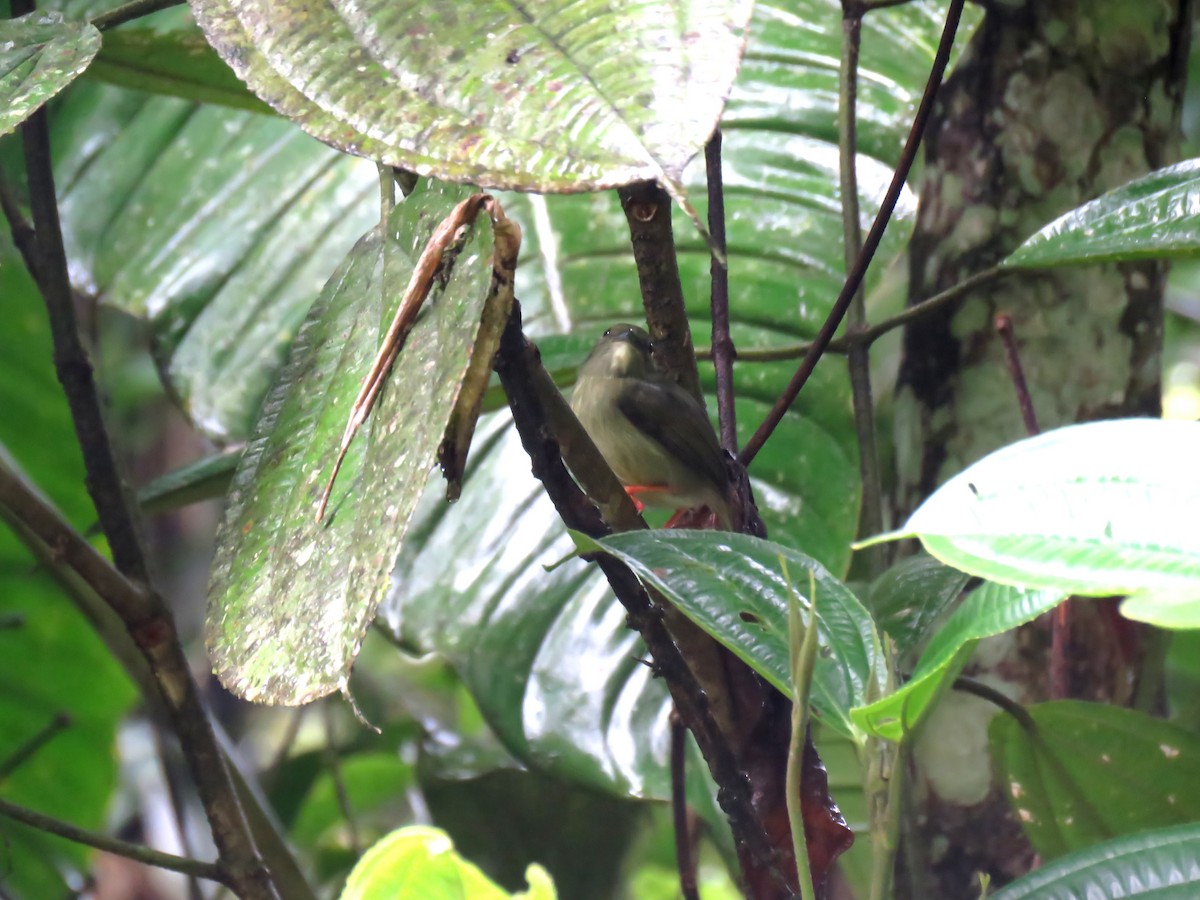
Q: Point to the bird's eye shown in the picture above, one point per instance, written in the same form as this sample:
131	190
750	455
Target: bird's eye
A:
608	332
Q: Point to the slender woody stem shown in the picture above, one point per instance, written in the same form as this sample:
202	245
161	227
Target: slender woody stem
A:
870	245
723	351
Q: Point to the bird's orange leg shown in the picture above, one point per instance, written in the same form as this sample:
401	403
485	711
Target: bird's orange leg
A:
633	490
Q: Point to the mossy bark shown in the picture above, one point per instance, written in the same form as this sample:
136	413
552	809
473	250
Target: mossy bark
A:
1053	103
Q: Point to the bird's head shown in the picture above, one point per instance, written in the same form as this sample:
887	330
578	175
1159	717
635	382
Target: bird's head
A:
625	351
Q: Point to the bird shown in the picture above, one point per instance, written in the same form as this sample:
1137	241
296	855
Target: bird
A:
654	435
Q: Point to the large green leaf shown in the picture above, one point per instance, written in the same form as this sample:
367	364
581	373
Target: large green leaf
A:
1081	773
540	97
40	54
290	597
178	63
989	609
219	226
53	661
1095	509
738	588
1153	216
1155	865
912	598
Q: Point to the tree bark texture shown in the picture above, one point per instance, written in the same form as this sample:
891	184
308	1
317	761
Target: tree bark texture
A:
1052	103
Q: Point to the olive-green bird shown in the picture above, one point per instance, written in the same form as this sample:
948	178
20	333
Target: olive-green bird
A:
654	435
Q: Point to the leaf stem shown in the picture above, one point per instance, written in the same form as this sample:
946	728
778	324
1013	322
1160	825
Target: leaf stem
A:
30	748
802	650
855	276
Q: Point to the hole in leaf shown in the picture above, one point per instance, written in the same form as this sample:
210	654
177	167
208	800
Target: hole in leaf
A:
749	617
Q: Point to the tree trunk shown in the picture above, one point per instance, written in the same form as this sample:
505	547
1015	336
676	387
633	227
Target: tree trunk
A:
1052	103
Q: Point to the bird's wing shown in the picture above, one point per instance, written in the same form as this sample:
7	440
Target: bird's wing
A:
650	405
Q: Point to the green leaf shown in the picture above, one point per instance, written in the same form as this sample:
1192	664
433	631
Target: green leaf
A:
178	63
219	226
912	598
1096	509
736	588
1160	865
290	597
1164	609
1151	217
1080	773
40	54
419	862
53	660
543	98
989	609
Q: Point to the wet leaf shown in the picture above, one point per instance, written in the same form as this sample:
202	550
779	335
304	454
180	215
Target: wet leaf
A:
290	597
988	610
1095	509
541	98
178	63
736	588
1157	864
40	54
1155	216
1081	773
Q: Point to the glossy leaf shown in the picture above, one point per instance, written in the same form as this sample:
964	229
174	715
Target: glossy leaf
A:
1155	216
544	97
290	597
1164	609
217	225
420	862
178	63
40	54
989	609
737	589
1157	865
1081	773
912	598
53	660
1096	509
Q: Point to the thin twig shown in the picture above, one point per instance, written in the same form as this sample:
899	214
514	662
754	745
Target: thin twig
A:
802	651
647	210
30	748
333	761
855	276
859	359
997	698
130	11
884	862
136	852
1012	360
684	861
874	332
723	350
23	237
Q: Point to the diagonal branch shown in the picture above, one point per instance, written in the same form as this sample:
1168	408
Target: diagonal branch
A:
856	274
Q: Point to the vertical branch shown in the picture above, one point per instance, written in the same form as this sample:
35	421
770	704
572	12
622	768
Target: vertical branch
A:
684	860
143	612
648	211
723	351
859	361
854	277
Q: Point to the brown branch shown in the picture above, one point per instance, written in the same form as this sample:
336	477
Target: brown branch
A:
648	211
136	852
1012	361
521	373
23	237
723	351
150	626
855	276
